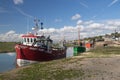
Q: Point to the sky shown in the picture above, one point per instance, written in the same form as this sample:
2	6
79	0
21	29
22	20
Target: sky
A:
60	18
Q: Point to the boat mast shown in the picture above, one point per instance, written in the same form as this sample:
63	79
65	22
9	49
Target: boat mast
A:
36	24
27	25
36	27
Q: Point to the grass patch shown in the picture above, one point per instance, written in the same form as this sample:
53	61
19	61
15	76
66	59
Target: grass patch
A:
103	52
53	70
7	47
106	50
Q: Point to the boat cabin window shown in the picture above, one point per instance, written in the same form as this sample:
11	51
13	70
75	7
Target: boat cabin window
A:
28	40
34	39
31	40
37	41
24	39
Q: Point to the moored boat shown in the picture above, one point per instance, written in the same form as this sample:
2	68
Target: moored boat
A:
35	48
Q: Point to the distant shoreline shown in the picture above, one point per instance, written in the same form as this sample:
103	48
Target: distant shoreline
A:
6	47
7	52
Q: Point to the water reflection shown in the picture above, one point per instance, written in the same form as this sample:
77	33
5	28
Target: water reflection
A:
10	54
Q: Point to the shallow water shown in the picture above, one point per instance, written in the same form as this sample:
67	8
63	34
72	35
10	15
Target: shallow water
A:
8	60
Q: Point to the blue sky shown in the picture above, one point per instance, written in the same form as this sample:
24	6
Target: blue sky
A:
17	15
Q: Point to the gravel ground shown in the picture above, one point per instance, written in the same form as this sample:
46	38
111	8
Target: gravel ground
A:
101	68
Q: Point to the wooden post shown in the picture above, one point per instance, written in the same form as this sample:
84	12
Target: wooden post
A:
78	36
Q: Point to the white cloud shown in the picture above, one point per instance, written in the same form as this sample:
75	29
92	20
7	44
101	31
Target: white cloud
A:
10	32
23	13
112	3
76	17
87	29
88	22
79	22
81	27
10	36
58	20
95	26
18	2
110	28
83	4
114	22
67	29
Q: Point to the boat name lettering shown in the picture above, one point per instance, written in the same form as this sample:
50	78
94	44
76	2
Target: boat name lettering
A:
23	46
33	48
41	49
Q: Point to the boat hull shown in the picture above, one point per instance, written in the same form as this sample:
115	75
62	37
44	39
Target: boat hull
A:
29	54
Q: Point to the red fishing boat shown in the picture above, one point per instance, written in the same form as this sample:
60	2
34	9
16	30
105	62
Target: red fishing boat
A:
35	48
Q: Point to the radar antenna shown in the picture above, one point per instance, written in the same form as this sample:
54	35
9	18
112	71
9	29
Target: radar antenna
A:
41	25
36	27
